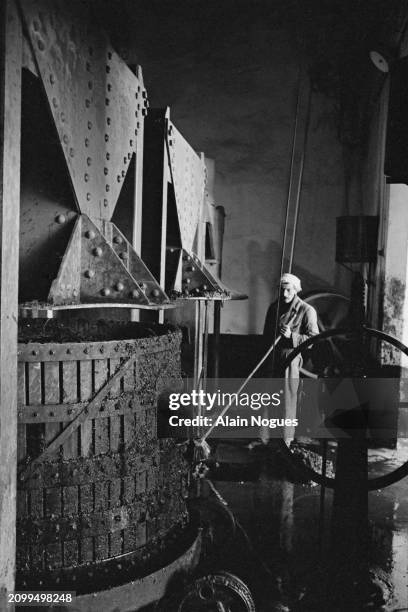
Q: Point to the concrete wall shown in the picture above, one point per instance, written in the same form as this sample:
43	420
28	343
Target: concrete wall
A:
230	78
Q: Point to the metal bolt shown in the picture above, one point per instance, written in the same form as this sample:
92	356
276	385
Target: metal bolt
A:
34	352
87	142
35	414
55	102
122	255
89	125
131	143
105	202
135	293
105	171
90	234
129	156
117	239
52	79
108	120
119	286
89	161
105	291
69	351
52	352
156	293
89	273
119	178
107	187
60	218
144	112
143	286
109	87
205	287
86	351
108	156
106	137
62	117
123	173
97	251
106	101
86	177
187	280
102	349
41	45
71	152
65	138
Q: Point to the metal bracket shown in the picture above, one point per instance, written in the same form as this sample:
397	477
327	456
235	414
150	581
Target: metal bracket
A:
197	282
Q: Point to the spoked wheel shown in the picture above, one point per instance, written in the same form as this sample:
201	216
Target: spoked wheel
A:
221	592
332	312
316	458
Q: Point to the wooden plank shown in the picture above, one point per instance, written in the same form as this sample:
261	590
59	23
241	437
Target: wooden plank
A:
86	394
71	553
36	503
21	400
53	501
69	394
101	502
34	383
53	555
101	425
113	365
86	504
10	138
129	537
116	538
51	392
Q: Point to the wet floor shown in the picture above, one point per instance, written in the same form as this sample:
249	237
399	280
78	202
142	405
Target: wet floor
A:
288	528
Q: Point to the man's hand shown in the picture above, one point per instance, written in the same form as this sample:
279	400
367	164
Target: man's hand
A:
285	331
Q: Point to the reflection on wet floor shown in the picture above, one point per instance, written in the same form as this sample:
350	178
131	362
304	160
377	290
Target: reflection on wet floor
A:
288	525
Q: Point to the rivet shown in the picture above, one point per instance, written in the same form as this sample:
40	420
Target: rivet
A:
62	117
122	255
52	79
89	161
144	112
119	178
105	202
101	350
188	281
97	251
138	107
69	351
108	120
106	101
108	156
131	142
60	218
86	351
125	160
138	88
109	87
34	352
41	45
143	286
138	125
52	352
106	138
87	142
107	187
87	103
86	177
89	273
90	85
205	287
105	291
89	125
90	234
123	173
55	102
156	293
136	114
35	414
119	286
65	138
105	171
129	155
118	239
144	94
69	411
71	152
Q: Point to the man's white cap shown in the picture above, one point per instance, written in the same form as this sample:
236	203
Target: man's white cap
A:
293	280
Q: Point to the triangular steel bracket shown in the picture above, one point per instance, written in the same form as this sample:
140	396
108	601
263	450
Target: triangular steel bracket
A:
197	282
94	272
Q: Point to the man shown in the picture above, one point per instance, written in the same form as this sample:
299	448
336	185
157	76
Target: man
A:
294	321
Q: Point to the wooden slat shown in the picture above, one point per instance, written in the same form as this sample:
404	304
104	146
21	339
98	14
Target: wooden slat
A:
86	394
69	394
53	555
71	553
100	426
53	501
51	396
21	400
86	505
70	500
36	503
34	383
101	502
116	538
113	365
116	422
129	537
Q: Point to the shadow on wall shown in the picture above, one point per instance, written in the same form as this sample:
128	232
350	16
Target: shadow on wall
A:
264	265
